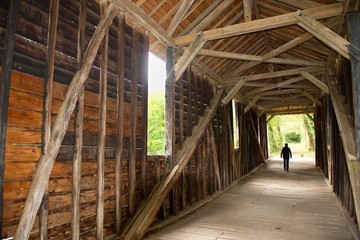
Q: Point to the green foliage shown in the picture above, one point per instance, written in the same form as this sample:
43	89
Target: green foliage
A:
156	123
275	137
310	129
292	137
296	129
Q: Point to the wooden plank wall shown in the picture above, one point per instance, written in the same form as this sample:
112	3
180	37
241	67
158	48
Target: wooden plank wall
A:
199	180
332	161
213	167
24	129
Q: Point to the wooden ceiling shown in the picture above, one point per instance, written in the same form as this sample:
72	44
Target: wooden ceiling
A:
266	53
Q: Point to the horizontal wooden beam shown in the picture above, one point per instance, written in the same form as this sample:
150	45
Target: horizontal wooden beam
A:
276	74
247	57
263	24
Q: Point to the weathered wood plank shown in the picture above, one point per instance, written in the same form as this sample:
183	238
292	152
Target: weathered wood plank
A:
257	138
326	35
144	122
170	119
102	129
354	37
46	162
184	7
7	62
247	9
79	115
143	219
133	121
347	134
142	18
48	88
119	120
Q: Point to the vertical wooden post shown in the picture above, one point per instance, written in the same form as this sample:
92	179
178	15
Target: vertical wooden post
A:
210	174
48	86
119	120
353	20
181	139
102	131
5	80
79	116
144	113
197	166
169	108
133	120
170	119
188	133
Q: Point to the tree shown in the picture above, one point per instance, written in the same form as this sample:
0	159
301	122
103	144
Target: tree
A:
156	123
309	126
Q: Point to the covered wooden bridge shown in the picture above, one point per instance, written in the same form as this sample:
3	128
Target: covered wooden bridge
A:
73	106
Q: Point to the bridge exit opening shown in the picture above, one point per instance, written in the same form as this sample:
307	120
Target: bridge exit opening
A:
296	130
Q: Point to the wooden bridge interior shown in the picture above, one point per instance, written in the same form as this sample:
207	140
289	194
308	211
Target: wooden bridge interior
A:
73	106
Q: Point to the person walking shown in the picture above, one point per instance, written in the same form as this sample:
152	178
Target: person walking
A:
285	154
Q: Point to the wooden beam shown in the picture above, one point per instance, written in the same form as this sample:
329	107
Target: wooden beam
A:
251	103
48	87
134	12
311	98
212	16
185	59
242	80
277	74
144	122
277	85
46	162
270	118
248	57
300	4
234	91
315	81
133	119
263	24
198	19
247	9
282	49
326	35
257	138
348	142
119	121
170	108
7	61
353	21
79	117
143	218
184	7
100	176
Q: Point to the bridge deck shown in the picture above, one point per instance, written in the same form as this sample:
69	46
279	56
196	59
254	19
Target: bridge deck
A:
268	204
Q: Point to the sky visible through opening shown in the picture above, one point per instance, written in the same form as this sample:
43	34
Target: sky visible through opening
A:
157	74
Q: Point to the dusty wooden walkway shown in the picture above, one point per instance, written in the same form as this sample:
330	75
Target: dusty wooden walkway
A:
268	204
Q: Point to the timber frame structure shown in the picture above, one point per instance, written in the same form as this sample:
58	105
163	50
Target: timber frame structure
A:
73	106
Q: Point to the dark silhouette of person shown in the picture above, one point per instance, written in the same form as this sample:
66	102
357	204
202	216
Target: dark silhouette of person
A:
285	154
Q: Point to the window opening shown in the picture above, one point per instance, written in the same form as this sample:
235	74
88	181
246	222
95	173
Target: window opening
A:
156	106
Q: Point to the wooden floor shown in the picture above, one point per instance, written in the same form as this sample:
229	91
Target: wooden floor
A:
268	204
